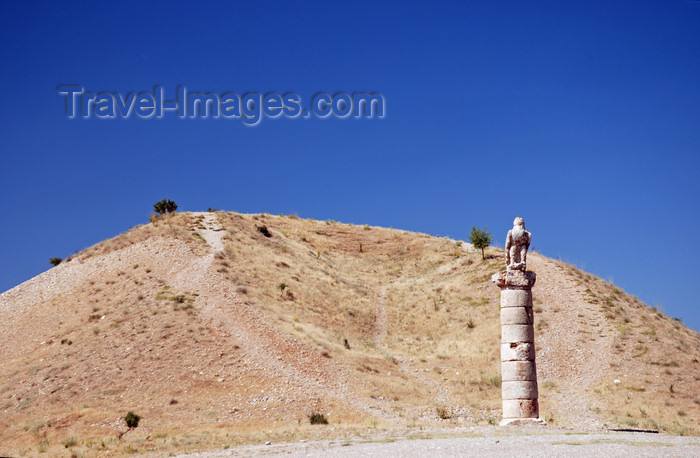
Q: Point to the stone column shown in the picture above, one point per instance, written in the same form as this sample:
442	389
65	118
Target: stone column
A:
518	371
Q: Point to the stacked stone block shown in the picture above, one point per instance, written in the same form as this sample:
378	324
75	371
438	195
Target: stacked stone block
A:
518	370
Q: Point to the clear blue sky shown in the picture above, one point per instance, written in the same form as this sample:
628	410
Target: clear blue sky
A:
583	117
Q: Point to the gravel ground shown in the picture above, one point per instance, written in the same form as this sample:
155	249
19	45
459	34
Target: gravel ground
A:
479	443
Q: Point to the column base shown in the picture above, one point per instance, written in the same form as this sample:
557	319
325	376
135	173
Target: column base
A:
523	422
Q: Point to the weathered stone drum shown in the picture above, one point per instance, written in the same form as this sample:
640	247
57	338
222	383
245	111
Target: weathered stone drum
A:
518	370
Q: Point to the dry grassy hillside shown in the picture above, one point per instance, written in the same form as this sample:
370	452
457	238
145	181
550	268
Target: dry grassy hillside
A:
223	328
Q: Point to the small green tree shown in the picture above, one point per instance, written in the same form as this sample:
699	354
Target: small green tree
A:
159	207
170	206
55	261
132	420
164	206
480	239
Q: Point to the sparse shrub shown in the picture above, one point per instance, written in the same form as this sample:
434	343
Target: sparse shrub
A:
470	324
132	420
480	239
317	418
346	344
444	412
55	261
70	442
264	230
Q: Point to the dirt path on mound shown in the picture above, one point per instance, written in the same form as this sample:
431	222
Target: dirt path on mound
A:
301	370
213	234
574	349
